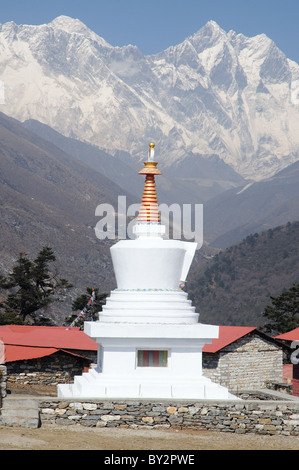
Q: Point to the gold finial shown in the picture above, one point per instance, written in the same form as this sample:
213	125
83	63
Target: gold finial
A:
151	152
150	164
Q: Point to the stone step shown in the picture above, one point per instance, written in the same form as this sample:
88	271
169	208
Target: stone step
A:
23	412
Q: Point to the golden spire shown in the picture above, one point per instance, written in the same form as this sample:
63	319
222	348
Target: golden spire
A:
149	209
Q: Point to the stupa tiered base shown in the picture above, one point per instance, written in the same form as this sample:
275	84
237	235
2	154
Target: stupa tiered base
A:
153	305
123	349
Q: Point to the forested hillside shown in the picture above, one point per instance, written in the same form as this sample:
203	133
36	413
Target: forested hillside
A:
234	286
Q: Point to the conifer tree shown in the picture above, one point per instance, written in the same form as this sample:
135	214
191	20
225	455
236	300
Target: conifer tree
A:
32	287
284	311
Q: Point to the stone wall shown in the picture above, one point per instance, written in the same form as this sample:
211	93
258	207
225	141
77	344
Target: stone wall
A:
3	378
252	416
250	362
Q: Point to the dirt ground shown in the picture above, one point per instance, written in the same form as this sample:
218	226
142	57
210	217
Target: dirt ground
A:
76	437
50	437
35	390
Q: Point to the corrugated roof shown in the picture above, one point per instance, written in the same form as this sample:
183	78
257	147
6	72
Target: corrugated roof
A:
227	335
21	353
46	337
292	335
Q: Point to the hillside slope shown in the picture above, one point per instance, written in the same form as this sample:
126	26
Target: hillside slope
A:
234	287
255	207
48	197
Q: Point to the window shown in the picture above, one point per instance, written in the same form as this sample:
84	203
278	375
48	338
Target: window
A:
150	358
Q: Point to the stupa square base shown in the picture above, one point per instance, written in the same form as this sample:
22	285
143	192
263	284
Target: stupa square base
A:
124	368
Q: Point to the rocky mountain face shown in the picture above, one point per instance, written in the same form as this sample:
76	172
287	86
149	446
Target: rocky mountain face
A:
215	95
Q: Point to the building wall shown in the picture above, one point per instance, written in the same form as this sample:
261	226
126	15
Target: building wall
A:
59	367
3	378
248	363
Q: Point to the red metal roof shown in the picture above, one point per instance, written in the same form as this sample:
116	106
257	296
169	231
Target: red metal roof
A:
292	335
21	353
47	336
30	342
227	335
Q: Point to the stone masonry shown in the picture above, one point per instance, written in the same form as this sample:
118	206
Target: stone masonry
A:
250	362
48	370
244	416
3	379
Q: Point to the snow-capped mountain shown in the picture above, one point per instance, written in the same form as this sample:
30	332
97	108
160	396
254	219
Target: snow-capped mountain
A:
216	93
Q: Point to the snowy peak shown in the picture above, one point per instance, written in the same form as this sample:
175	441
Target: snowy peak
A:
68	24
207	36
75	26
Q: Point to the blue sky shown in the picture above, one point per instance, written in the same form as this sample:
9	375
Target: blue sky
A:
154	25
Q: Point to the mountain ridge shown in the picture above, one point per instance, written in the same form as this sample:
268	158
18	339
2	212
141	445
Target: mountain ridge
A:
214	175
216	93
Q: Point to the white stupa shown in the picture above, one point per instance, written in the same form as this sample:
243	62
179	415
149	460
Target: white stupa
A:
149	338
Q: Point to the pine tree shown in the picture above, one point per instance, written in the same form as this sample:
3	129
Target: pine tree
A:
284	311
32	288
